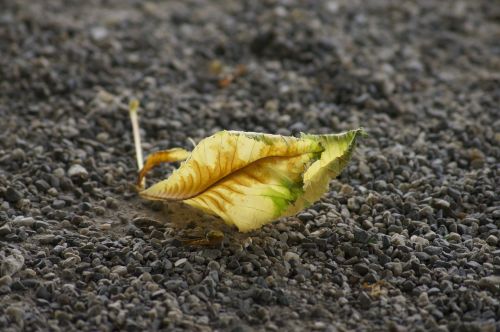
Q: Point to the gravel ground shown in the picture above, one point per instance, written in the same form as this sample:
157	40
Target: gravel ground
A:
406	239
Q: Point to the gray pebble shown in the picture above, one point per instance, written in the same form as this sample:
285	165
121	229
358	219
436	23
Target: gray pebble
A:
58	204
78	172
180	262
6	280
492	240
5	229
433	250
12	263
15	312
491	282
23	221
361	268
396	268
291	256
364	300
13	195
423	299
361	236
305	216
42	185
119	269
441	204
454	237
18	155
174	285
213	265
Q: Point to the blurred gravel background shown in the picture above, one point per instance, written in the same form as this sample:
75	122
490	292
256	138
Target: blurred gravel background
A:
407	238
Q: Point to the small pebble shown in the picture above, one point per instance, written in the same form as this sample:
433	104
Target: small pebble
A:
180	262
13	195
492	240
291	256
78	172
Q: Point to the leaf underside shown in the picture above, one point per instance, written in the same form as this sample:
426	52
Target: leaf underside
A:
250	179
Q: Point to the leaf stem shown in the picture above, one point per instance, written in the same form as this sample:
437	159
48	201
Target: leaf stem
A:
133	107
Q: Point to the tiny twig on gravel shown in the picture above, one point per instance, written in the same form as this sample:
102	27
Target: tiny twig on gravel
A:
133	107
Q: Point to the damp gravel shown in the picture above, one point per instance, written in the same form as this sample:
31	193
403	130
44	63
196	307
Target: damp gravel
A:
407	239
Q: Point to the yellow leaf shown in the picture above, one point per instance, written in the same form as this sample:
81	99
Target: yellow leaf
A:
250	179
164	156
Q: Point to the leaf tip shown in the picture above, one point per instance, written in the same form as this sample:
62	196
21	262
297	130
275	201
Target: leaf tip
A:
362	132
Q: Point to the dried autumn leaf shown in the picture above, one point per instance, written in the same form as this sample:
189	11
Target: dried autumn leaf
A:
250	179
228	79
376	289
